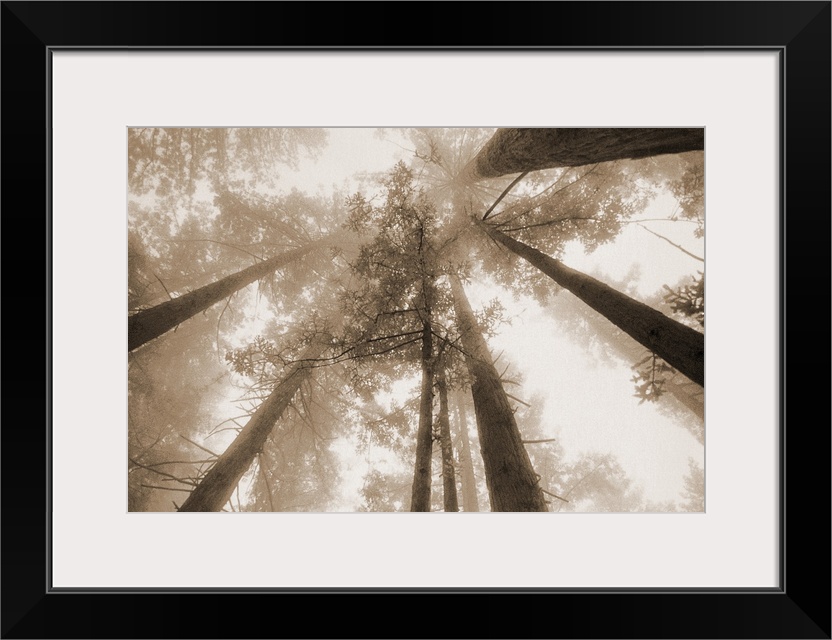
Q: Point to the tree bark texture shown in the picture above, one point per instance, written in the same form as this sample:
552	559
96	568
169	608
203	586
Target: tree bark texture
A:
679	345
470	501
451	502
515	150
216	487
511	480
153	322
420	496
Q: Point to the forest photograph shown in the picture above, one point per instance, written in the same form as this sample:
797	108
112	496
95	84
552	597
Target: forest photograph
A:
416	320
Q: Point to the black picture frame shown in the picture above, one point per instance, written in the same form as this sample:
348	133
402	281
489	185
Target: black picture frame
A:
800	608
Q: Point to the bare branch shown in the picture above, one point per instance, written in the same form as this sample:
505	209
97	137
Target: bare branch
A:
504	193
151	486
554	495
161	473
216	455
518	400
679	247
163	286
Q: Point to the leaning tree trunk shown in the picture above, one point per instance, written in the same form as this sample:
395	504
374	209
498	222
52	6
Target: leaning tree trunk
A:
511	480
470	502
451	501
516	150
216	487
153	322
420	496
679	345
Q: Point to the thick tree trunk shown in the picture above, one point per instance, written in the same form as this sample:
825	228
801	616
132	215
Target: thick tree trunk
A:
420	496
218	484
153	322
679	345
516	150
470	502
511	480
451	502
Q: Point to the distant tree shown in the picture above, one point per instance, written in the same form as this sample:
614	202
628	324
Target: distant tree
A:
450	500
694	491
298	470
165	408
384	492
470	502
177	159
689	299
597	483
689	191
589	482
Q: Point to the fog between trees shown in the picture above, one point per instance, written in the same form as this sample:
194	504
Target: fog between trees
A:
421	338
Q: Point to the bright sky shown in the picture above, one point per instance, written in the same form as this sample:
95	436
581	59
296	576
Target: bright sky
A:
589	406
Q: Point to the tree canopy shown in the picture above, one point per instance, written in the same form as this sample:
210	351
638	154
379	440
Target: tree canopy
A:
399	341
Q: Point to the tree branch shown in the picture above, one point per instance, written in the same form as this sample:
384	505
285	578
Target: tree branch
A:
163	286
554	495
504	193
679	247
152	486
216	455
161	473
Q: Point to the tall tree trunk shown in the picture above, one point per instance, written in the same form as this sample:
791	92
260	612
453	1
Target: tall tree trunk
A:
511	480
422	475
470	502
679	345
153	322
420	496
448	477
218	484
516	150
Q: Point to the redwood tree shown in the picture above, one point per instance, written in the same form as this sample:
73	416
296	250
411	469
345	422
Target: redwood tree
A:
420	496
470	502
511	480
451	503
415	229
679	345
517	150
153	322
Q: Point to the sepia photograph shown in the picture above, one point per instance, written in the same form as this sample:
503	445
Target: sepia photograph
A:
366	276
416	320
